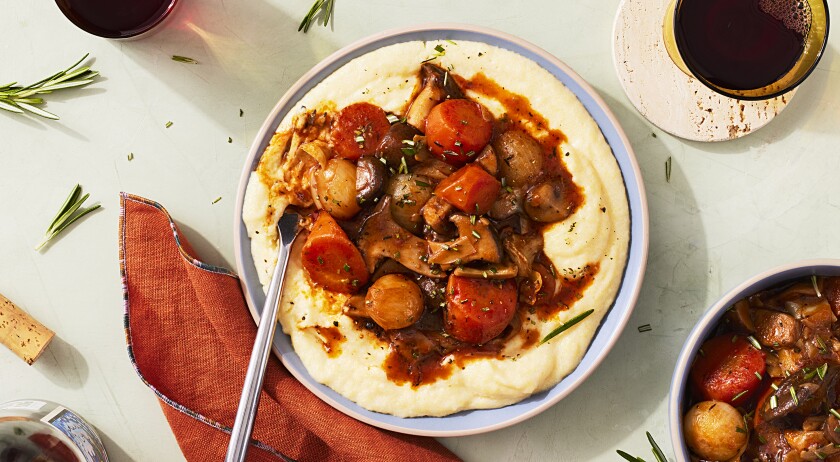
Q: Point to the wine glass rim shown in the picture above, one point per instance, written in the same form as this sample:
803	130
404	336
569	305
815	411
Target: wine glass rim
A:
101	32
786	89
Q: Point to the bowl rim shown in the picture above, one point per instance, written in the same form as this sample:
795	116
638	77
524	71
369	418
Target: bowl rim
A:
759	281
637	248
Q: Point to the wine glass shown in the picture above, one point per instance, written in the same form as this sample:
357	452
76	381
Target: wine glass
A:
117	19
747	49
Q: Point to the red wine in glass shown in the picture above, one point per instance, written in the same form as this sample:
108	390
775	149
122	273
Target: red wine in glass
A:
741	44
116	18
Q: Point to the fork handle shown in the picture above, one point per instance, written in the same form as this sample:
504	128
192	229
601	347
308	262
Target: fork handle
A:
240	436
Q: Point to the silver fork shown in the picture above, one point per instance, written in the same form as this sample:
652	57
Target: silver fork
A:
240	436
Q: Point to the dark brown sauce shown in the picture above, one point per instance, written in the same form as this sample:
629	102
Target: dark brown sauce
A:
573	283
519	110
332	339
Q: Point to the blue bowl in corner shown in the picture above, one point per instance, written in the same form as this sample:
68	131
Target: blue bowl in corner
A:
709	320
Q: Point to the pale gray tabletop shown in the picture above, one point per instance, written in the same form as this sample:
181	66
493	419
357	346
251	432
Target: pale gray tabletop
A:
730	210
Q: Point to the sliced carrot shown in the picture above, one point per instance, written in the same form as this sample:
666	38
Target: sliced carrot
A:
471	189
478	310
458	129
358	130
330	260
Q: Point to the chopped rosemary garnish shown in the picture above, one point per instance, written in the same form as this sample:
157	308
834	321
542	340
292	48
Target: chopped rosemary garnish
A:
477	236
67	215
668	170
392	119
823	347
793	395
422	184
322	10
774	387
773	402
472	219
168	124
822	370
758	375
834	413
184	59
566	325
754	342
230	140
17	99
440	49
816	287
320	260
217	199
130	156
403	165
645	328
346	267
734	398
740	430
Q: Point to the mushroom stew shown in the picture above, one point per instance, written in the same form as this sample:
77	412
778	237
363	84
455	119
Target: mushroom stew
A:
432	221
766	385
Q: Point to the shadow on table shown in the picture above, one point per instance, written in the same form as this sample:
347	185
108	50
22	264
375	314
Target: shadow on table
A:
802	113
250	52
204	250
63	365
115	452
614	406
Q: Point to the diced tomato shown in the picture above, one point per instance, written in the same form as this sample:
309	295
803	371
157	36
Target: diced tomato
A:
331	260
478	310
728	370
358	129
458	129
471	189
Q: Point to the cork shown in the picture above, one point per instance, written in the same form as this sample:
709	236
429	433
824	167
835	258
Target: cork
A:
21	333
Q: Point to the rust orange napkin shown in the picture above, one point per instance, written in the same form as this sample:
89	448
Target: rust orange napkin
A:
190	335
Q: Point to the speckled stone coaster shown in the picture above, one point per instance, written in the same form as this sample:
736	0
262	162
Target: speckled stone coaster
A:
670	99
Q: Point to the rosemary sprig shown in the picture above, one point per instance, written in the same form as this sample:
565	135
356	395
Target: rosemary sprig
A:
566	325
657	452
67	215
184	59
321	11
17	99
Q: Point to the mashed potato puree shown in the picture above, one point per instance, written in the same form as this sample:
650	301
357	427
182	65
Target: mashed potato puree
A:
598	232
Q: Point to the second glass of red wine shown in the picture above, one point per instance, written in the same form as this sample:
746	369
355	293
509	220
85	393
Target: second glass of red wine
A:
117	19
747	49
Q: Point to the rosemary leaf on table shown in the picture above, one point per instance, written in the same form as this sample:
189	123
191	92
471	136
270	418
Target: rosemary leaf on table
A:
69	212
321	11
658	455
20	99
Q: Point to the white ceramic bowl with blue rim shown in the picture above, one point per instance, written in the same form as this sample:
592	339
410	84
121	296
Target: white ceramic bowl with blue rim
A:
476	421
707	323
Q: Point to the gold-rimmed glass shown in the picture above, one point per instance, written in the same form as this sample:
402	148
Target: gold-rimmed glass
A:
815	37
